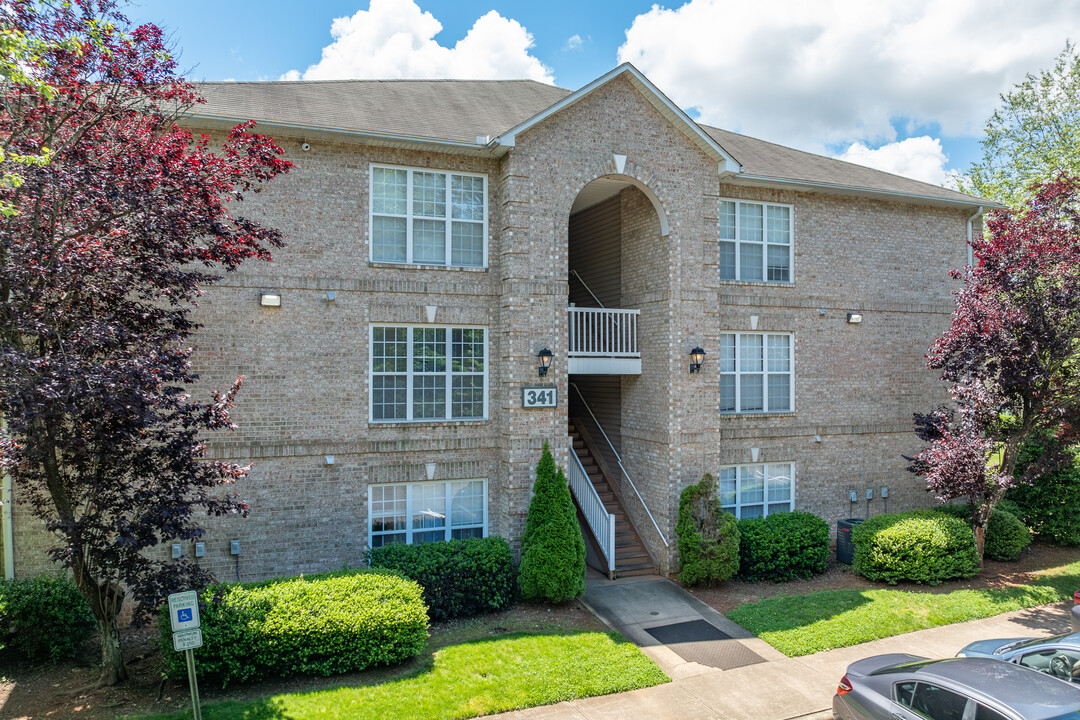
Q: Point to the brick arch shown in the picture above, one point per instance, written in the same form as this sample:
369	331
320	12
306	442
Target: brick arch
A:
640	179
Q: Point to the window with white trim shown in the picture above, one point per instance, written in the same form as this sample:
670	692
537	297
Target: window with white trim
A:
755	241
756	372
425	372
428	217
427	512
749	491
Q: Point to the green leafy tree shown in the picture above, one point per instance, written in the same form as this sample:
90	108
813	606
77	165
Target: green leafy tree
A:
708	536
1032	137
552	549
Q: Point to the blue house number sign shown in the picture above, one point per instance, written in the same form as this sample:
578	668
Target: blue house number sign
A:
539	396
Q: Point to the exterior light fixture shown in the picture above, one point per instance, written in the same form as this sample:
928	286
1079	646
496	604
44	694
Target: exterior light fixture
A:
697	359
854	318
270	300
544	356
429	468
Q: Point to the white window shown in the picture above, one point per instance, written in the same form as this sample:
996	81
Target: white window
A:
749	491
755	241
756	372
427	512
428	217
428	373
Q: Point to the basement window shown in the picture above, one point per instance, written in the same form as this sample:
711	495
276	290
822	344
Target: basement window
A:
750	491
427	512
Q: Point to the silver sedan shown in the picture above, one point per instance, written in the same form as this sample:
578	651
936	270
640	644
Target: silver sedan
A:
1058	655
907	687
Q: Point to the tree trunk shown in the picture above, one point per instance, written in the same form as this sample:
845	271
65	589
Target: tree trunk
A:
112	662
980	538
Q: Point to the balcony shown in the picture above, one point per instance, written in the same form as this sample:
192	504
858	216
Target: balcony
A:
603	342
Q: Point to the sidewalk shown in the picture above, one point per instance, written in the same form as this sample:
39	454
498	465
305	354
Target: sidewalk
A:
773	687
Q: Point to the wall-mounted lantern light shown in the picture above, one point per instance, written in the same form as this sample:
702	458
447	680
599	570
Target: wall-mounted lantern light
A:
544	356
854	318
270	300
697	359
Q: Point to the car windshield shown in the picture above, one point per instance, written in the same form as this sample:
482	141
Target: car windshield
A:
1039	641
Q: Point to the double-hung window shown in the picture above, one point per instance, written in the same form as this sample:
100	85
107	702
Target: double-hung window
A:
425	372
756	372
427	512
755	241
428	217
749	491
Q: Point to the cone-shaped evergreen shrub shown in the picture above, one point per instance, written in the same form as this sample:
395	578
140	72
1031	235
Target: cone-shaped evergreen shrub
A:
552	549
708	536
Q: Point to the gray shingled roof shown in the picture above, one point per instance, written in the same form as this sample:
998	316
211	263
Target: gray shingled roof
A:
459	111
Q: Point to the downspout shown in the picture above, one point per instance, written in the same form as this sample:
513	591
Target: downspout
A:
971	236
5	515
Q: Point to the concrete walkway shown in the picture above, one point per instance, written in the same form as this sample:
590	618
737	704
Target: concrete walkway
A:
780	688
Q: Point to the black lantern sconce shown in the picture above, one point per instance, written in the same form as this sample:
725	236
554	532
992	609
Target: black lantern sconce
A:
697	359
544	356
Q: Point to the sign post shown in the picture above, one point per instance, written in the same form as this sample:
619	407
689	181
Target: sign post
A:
184	616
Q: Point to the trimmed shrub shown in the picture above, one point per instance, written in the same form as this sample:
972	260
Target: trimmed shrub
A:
43	618
708	536
459	577
921	546
552	549
783	546
1051	506
316	625
1005	537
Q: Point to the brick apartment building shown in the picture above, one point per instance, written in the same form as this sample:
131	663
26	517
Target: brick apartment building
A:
442	234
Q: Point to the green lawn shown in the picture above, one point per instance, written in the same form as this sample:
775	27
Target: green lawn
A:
803	624
467	679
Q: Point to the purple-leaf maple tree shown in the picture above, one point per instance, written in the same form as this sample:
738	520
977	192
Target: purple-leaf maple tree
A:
1011	355
101	264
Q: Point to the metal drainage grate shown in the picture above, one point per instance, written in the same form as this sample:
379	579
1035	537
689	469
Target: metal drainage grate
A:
698	641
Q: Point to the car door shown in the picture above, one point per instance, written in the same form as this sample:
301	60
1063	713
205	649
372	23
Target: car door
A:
916	700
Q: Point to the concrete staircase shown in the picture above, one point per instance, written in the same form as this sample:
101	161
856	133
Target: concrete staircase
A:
631	557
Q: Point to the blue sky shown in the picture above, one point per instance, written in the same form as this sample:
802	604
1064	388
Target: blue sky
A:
902	85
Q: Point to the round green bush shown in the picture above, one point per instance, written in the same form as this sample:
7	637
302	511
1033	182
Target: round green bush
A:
708	537
920	546
552	550
783	546
460	578
43	618
322	624
1005	537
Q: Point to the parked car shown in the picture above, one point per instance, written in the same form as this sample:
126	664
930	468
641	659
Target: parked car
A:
908	687
1058	655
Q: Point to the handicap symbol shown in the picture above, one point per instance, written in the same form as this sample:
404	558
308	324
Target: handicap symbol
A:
183	615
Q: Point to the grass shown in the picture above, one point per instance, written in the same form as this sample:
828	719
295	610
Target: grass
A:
467	679
803	624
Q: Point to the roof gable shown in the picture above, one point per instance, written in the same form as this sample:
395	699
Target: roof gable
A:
726	164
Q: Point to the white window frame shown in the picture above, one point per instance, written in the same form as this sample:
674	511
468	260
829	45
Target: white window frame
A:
736	508
409	508
764	242
410	374
764	373
409	217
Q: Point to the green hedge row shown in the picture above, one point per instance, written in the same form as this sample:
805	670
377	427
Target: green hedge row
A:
1005	536
318	625
459	577
922	546
44	618
783	546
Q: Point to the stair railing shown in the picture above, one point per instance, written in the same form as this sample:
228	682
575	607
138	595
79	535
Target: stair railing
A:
601	522
623	467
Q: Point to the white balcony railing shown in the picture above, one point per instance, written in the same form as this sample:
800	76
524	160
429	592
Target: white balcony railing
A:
601	522
603	341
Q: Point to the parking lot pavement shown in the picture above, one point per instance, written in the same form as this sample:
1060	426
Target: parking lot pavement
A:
776	687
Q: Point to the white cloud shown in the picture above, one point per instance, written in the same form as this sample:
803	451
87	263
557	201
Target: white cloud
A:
814	74
396	39
920	158
573	42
